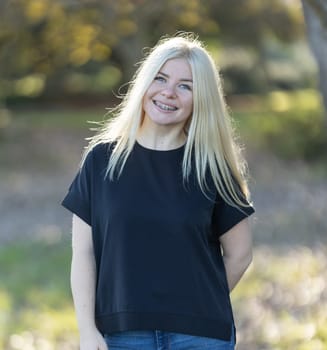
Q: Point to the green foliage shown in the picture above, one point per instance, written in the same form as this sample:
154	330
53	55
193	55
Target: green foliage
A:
290	125
58	47
261	20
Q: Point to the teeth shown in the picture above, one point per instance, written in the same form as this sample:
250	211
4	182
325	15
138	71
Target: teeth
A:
165	107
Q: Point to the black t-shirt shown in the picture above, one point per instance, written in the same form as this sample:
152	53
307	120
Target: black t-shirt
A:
156	244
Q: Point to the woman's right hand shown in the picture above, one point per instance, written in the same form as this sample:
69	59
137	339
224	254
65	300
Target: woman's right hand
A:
83	281
92	341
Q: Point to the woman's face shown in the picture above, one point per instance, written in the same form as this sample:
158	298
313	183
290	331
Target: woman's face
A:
169	99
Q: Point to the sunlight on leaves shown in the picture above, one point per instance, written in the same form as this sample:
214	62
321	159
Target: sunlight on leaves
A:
126	27
37	9
100	52
80	56
31	85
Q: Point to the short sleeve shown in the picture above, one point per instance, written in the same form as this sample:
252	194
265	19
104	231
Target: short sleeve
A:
78	198
225	216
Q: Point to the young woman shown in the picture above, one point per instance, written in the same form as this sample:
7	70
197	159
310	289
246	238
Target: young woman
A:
161	205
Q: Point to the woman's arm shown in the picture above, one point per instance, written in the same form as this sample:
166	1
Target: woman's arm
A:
237	251
83	275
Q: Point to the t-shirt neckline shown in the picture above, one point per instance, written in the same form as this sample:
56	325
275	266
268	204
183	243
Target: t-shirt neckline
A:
159	150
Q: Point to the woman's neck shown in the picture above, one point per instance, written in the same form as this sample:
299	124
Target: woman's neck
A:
161	138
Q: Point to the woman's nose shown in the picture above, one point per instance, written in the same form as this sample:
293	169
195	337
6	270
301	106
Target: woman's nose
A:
169	92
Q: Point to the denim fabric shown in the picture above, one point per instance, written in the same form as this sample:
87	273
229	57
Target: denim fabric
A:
159	340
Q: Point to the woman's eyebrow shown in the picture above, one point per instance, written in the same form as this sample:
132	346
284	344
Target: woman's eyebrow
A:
167	76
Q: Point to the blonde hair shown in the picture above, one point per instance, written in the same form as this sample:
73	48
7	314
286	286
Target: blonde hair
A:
210	136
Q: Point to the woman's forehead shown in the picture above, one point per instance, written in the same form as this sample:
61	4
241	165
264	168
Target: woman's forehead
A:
177	67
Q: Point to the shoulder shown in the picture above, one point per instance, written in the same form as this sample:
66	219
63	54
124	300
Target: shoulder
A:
97	157
102	148
100	152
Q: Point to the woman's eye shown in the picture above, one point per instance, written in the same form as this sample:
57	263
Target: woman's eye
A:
185	87
160	79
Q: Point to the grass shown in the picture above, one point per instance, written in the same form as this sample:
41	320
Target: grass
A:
35	301
290	125
58	118
280	304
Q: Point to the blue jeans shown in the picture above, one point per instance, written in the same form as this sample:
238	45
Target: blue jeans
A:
159	340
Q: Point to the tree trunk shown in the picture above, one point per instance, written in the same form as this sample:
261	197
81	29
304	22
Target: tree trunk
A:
315	14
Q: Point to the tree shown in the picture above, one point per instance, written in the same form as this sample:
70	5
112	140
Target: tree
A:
90	46
315	14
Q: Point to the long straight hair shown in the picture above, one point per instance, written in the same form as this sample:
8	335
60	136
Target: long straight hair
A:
211	144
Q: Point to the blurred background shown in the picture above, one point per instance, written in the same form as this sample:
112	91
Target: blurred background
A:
62	63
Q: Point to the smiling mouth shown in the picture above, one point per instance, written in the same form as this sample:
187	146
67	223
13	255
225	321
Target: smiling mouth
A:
164	107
